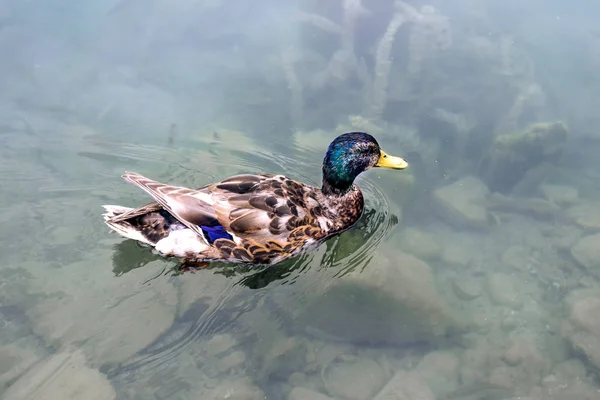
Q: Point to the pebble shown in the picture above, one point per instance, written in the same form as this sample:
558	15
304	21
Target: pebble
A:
300	393
359	380
503	290
466	289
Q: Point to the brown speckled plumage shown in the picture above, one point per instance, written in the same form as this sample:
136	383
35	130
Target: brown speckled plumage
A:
253	218
273	216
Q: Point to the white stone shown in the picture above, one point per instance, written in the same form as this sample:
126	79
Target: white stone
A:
462	203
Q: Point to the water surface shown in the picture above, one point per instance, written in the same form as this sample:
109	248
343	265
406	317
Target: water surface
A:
454	284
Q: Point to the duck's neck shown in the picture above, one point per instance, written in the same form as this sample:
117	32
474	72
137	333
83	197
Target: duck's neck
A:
338	178
337	190
344	206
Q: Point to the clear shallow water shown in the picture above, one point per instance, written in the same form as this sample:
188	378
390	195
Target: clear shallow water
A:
68	283
448	288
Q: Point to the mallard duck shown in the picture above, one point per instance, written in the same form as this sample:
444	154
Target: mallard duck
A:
253	218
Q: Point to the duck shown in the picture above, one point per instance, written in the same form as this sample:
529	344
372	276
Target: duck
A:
253	218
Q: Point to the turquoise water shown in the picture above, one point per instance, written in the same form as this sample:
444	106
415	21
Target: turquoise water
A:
472	275
69	284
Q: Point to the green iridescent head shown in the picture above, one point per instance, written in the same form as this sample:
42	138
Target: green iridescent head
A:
351	154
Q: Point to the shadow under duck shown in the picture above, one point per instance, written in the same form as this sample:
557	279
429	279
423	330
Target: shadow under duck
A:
253	218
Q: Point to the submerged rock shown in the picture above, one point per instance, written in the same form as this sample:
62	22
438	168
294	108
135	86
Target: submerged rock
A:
420	244
462	203
300	393
517	257
456	255
586	216
486	373
504	291
513	155
354	380
62	376
406	386
111	319
393	300
524	365
553	389
587	252
466	288
15	359
568	380
582	328
560	194
232	388
440	371
532	207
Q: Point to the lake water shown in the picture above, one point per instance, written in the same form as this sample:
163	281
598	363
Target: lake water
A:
472	275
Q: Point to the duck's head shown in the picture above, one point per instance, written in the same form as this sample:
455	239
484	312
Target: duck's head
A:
350	154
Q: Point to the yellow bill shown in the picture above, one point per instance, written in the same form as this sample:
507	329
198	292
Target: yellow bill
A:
387	161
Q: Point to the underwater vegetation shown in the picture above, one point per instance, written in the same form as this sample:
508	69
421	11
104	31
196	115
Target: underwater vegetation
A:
448	88
474	274
513	155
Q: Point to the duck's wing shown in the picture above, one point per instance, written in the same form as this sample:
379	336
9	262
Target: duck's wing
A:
262	208
193	208
135	212
266	207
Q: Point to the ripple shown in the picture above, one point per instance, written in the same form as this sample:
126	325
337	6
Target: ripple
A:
122	151
350	251
346	252
260	159
203	321
185	332
373	228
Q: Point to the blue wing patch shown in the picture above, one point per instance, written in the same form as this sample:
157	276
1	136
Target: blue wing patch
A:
215	232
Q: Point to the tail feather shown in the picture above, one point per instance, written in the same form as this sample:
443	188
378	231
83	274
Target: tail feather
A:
112	211
155	224
123	228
